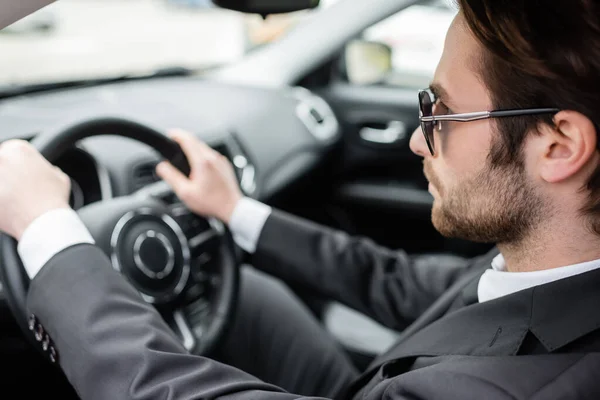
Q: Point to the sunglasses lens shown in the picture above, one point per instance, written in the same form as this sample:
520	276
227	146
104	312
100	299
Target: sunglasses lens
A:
426	110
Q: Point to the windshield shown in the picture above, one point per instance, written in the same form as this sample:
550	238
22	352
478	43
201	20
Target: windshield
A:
94	39
82	39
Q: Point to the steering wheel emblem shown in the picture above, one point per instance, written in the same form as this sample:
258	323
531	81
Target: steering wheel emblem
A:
152	251
153	254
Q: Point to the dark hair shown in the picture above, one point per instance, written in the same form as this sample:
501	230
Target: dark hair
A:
539	54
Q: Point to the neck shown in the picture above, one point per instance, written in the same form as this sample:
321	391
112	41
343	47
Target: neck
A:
553	247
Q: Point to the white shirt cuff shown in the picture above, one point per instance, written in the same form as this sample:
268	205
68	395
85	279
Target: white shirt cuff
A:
48	235
247	221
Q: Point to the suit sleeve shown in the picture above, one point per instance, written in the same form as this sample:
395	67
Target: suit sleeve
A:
390	286
111	344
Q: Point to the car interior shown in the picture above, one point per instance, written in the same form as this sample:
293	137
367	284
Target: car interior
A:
305	131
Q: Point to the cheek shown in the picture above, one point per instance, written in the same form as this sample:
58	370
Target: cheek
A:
464	147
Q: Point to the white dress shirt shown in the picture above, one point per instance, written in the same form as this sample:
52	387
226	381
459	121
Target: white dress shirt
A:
247	221
48	235
58	229
498	282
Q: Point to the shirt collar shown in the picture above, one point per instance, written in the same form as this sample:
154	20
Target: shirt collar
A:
498	263
497	282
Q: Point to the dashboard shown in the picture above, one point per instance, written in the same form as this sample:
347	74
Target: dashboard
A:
271	136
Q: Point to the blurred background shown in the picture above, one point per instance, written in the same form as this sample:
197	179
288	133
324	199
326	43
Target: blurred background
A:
82	39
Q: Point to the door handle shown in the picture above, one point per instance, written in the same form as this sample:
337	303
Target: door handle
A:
392	134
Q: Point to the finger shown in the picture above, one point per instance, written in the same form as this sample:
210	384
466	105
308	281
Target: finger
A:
196	148
64	178
58	171
174	178
189	145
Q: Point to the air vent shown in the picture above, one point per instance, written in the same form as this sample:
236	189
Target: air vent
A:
316	114
144	175
244	169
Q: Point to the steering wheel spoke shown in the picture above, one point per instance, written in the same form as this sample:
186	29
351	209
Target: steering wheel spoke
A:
188	336
190	321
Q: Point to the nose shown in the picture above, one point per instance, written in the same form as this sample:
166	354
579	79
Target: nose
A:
418	145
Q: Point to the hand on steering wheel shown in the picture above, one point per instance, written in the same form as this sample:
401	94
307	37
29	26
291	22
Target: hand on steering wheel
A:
29	187
212	189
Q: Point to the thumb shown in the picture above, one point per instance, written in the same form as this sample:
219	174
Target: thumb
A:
168	173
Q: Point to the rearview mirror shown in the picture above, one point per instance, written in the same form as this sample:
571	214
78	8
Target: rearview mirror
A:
367	62
266	7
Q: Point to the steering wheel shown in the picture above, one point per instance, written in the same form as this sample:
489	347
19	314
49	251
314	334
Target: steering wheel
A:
183	264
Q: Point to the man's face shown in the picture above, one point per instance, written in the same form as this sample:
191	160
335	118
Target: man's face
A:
473	200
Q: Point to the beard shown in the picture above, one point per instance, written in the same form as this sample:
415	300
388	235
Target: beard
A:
498	205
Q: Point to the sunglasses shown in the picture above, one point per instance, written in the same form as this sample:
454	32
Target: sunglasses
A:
429	121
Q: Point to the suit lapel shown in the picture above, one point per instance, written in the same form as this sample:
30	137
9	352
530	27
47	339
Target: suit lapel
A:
495	327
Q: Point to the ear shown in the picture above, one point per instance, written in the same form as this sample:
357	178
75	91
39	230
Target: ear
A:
567	148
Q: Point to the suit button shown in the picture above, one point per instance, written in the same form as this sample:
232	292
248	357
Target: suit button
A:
46	342
32	321
53	355
39	332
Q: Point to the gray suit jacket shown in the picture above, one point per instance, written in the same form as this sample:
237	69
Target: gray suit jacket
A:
539	343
